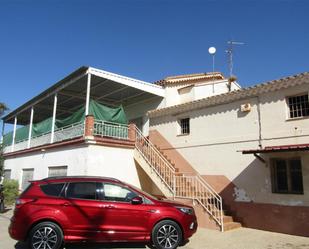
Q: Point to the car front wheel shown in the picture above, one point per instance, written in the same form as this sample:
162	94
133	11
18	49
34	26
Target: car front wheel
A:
166	235
46	235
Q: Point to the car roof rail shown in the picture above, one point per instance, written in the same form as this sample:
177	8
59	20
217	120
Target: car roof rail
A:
88	177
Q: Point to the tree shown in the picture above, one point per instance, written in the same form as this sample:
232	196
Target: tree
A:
3	108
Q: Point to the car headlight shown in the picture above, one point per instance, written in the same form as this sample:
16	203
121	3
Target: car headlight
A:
186	210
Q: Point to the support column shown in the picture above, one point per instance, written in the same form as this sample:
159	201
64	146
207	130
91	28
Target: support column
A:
2	132
89	126
30	128
88	94
131	132
54	119
14	134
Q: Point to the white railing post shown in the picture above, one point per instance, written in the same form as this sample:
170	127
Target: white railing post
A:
14	134
54	119
30	128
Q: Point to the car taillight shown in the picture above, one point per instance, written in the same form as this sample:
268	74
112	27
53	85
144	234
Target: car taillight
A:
21	201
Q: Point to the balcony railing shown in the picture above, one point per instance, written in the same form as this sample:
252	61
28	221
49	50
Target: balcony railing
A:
110	129
99	128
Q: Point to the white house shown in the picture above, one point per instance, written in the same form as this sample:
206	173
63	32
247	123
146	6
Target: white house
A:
198	138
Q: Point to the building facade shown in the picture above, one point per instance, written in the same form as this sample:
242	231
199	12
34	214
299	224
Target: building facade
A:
196	137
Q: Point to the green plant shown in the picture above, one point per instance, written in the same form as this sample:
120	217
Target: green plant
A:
10	191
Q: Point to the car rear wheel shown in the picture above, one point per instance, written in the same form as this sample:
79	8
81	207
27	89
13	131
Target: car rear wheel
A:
46	235
166	235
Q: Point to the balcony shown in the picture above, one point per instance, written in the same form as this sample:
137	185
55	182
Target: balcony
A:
90	129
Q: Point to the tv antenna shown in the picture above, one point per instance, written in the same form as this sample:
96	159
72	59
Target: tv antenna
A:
230	51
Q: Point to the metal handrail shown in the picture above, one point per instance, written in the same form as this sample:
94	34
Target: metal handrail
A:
156	160
181	185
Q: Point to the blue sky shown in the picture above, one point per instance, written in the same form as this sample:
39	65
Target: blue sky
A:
43	41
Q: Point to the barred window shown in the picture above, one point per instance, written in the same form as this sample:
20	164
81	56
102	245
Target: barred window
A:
298	106
184	126
57	171
287	176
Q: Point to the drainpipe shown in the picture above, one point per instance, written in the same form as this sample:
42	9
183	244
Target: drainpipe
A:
259	121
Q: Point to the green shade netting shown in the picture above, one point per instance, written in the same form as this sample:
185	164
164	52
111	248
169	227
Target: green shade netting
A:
100	112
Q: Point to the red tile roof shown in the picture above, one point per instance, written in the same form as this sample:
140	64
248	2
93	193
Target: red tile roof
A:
190	78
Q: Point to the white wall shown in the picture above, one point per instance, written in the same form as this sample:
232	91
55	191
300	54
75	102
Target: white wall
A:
91	160
140	109
219	133
200	90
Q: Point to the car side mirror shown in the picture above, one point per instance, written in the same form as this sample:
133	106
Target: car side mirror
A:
137	200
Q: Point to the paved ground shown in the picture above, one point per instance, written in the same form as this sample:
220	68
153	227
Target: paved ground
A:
242	238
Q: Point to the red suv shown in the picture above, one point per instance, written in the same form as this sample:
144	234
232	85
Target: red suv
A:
59	210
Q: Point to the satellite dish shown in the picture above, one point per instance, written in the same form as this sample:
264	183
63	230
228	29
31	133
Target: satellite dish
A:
212	50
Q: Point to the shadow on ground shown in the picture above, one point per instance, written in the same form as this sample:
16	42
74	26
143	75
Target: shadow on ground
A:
21	245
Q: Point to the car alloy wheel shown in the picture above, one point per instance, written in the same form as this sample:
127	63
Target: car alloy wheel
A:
46	235
167	235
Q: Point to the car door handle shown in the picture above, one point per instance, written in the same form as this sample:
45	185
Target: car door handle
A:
66	204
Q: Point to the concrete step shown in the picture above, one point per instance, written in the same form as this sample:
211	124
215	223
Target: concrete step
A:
231	225
227	219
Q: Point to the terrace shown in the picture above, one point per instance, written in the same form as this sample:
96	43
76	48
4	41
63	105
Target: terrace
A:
87	104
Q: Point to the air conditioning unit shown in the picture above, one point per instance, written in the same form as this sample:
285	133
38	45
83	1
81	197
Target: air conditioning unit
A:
245	107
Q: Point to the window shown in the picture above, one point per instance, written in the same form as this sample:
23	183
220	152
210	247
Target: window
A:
298	106
52	189
184	126
287	176
82	190
57	171
114	192
27	176
7	174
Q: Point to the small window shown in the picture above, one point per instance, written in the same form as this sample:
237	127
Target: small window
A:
52	189
114	192
287	176
298	106
184	126
57	171
7	174
82	190
26	178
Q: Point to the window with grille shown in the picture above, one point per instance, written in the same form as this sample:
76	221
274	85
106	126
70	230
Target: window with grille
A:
298	106
287	176
26	177
57	171
7	174
184	126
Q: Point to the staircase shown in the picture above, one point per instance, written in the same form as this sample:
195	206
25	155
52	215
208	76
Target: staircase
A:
174	184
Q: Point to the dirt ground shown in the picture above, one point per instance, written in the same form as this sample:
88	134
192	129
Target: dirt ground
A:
242	238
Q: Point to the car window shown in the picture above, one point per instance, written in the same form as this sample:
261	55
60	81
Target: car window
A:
52	189
82	190
113	192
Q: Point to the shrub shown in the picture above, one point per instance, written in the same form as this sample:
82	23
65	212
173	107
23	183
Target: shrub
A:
10	191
